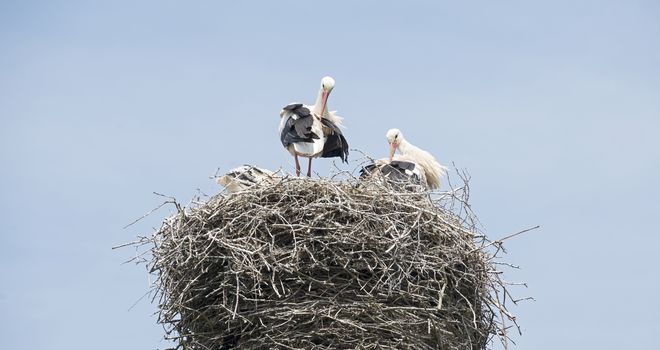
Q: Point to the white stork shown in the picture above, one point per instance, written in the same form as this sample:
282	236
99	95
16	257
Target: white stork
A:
430	168
246	176
313	131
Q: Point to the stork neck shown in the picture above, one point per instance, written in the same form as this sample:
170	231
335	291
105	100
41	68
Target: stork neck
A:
405	147
319	104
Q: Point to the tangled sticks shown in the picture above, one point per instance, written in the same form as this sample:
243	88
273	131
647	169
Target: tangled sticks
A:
318	264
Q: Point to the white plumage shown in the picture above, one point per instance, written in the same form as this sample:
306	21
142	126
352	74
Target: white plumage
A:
432	170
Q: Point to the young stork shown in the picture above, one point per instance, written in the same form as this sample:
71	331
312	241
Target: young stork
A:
246	176
430	168
313	131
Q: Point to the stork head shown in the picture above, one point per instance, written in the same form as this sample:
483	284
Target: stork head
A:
327	84
394	138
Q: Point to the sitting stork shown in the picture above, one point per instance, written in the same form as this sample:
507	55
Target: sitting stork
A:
427	164
313	131
413	164
246	176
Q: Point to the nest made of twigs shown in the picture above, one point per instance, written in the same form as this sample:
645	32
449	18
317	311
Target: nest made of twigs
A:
321	264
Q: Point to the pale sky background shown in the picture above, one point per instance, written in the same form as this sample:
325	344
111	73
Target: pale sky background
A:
552	106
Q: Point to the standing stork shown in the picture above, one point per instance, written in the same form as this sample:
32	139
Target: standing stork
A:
430	167
313	131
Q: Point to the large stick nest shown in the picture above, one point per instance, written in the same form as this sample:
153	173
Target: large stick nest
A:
321	264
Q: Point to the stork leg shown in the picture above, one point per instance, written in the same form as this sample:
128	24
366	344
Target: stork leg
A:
297	165
309	168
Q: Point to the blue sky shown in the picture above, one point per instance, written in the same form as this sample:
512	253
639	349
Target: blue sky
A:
552	106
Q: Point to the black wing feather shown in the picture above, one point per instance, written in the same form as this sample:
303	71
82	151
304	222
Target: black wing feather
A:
403	165
395	171
368	170
335	143
292	106
300	129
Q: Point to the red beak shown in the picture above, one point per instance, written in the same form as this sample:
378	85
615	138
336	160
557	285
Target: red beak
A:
325	102
392	150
